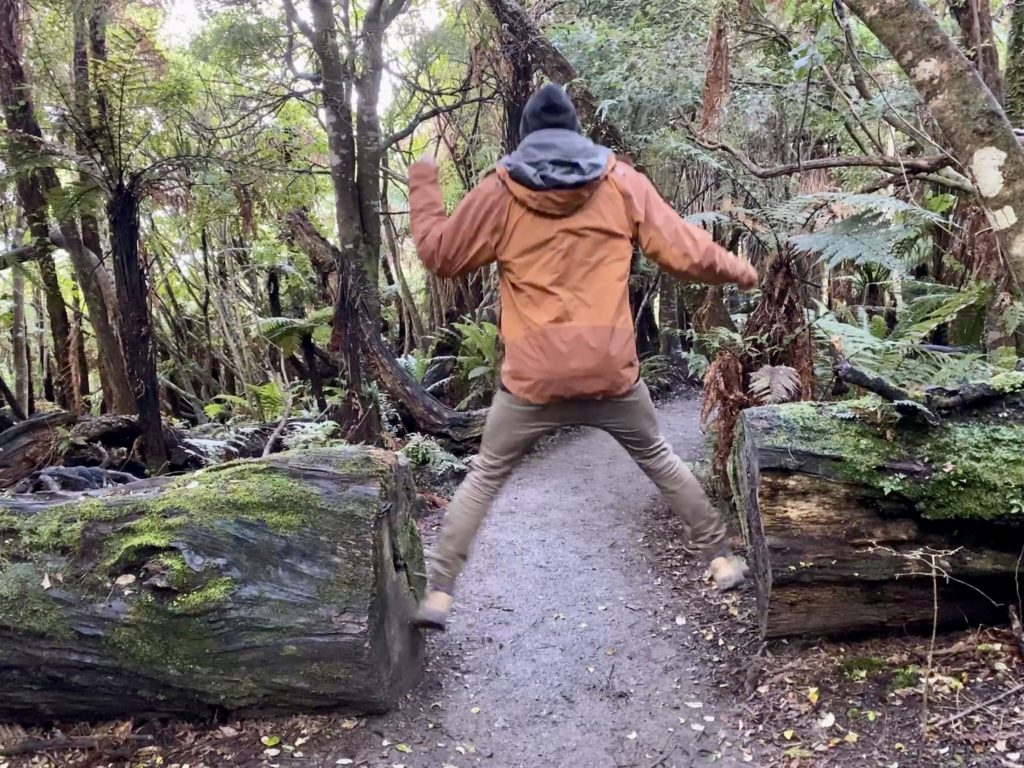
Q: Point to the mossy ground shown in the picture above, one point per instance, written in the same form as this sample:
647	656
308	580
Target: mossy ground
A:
976	467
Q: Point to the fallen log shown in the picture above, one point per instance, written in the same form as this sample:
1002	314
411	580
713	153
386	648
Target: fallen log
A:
850	512
273	585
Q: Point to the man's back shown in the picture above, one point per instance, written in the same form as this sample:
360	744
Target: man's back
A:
560	217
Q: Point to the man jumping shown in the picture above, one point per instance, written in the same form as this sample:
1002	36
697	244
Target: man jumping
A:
561	216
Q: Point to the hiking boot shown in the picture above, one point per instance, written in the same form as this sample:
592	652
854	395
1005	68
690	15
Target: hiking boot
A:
728	572
432	613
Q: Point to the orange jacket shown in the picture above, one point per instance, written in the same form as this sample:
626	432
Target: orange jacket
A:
563	262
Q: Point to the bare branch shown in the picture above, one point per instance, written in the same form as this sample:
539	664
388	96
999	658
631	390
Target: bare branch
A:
927	164
423	116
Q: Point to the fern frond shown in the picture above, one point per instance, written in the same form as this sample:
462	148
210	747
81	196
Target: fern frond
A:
774	384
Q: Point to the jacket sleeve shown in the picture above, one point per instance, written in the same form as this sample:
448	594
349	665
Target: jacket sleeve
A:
466	241
678	247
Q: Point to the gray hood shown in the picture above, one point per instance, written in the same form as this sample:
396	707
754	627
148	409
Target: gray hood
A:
556	159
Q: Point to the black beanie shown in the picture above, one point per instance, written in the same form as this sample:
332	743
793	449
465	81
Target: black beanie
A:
550	107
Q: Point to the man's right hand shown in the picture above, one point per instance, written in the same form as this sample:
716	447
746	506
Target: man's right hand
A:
748	279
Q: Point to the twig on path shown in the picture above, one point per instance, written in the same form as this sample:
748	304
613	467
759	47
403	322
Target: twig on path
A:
64	743
982	705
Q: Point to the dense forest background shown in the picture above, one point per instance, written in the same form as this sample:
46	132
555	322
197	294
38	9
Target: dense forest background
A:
204	215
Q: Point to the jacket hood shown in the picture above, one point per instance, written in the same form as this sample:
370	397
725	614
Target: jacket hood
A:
555	171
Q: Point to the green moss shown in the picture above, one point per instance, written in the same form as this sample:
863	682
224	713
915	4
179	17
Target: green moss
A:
213	592
973	469
905	677
862	667
26	606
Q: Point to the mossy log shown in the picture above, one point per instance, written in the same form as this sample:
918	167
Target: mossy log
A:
272	585
852	516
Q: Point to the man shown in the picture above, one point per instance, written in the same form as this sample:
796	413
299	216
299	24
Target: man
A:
560	216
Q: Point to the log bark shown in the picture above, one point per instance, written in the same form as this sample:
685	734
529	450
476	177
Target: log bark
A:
268	586
844	508
979	133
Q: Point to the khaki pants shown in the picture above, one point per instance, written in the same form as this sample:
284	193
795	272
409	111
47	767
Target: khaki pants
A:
513	426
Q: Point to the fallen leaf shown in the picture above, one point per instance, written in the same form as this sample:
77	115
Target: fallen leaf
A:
403	748
125	580
271	752
695	704
851	738
301	740
46	581
227	731
813	695
788	734
270	741
348	725
827	720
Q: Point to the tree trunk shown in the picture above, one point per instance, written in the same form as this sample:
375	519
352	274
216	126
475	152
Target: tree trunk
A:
668	313
19	342
977	129
136	326
274	586
429	414
16	95
1013	77
843	515
975	20
516	21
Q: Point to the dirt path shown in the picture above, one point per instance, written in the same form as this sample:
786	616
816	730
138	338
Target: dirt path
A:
565	648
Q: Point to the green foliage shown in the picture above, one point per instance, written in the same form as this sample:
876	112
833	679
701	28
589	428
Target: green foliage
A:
423	451
479	360
656	371
316	434
287	332
899	356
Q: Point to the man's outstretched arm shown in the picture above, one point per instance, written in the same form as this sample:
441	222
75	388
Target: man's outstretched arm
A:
677	246
464	242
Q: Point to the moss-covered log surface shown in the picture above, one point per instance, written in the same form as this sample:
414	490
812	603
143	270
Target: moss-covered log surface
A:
848	510
274	585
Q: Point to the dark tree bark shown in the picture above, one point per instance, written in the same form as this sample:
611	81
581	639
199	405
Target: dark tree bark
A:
548	59
1014	74
975	20
19	343
970	116
135	323
16	95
